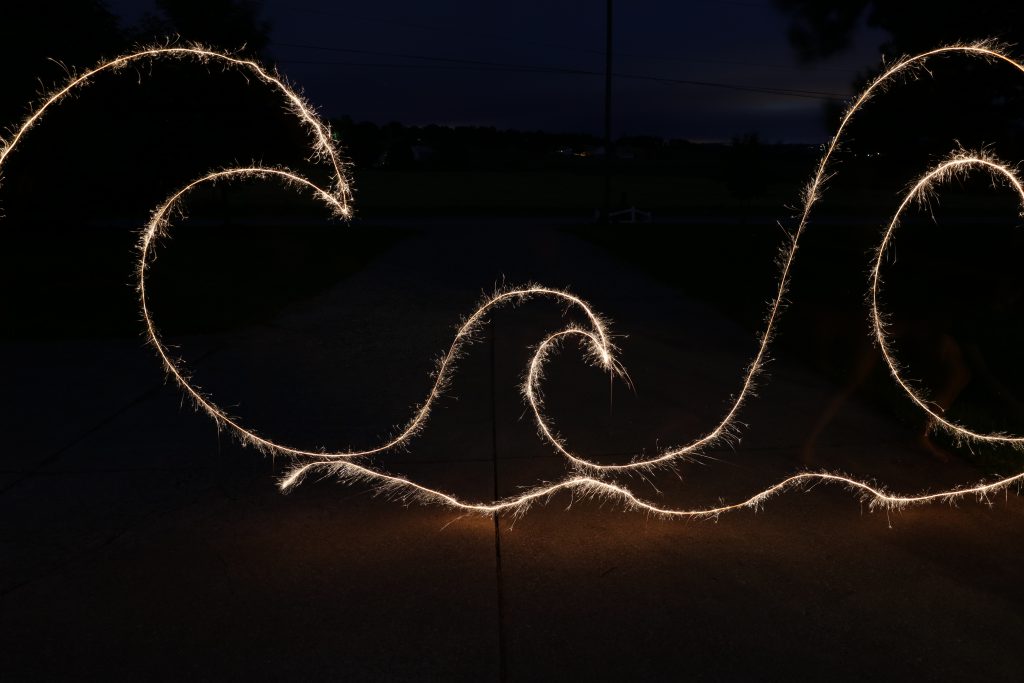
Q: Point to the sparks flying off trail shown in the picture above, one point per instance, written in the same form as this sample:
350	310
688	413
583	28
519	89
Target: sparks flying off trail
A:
585	477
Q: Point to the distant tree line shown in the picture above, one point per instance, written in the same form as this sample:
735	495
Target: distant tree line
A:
395	146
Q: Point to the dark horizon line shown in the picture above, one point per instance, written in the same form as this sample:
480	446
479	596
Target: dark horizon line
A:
337	120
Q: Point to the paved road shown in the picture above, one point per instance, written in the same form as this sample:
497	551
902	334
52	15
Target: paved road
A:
137	542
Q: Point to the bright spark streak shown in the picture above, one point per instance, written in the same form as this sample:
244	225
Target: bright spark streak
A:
587	477
322	146
957	165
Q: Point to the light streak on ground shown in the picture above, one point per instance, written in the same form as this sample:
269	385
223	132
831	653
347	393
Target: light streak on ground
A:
586	477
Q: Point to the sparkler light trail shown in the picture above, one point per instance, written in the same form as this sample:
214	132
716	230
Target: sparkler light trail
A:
959	164
586	478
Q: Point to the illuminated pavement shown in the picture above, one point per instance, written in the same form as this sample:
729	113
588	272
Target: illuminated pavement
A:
136	543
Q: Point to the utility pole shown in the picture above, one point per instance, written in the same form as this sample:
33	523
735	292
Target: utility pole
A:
608	153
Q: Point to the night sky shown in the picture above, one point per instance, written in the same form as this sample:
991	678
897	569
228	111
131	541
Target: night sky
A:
408	61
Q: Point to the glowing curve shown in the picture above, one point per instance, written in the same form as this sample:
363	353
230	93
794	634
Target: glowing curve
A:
959	163
727	426
322	144
587	478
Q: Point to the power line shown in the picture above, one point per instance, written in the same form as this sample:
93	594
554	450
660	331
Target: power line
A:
436	67
534	68
442	29
403	55
570	48
787	92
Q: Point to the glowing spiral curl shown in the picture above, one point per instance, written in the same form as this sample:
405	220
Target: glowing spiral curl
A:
587	477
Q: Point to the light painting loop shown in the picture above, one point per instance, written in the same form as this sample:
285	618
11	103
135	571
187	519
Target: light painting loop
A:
958	165
586	478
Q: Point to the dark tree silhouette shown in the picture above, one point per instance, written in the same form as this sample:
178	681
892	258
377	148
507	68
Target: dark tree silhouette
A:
823	28
968	101
226	24
37	38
